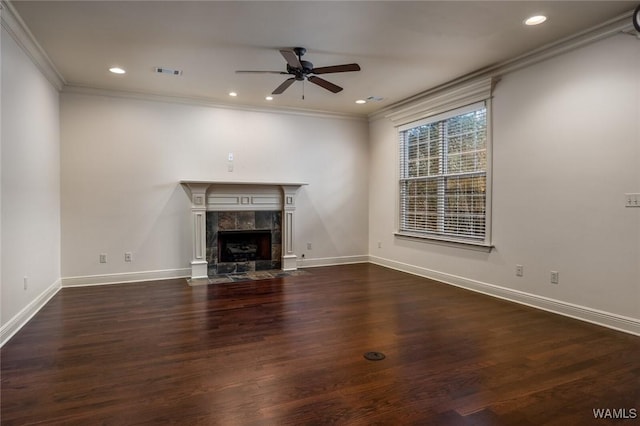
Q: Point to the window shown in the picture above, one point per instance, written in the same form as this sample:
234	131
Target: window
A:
443	176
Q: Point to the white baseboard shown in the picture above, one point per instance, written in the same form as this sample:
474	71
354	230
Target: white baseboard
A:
330	261
583	313
21	318
126	277
602	318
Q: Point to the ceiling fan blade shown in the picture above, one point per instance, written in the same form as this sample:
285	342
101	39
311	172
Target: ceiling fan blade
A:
324	83
336	68
259	72
288	82
291	58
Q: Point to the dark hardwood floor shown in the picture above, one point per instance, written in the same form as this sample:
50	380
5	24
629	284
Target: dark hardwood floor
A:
289	351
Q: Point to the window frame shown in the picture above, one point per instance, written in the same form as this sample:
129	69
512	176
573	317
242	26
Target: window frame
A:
483	244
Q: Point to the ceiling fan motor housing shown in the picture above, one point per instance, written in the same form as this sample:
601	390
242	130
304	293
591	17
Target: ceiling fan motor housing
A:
300	73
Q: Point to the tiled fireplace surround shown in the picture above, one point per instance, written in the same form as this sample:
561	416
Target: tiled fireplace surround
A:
241	206
243	221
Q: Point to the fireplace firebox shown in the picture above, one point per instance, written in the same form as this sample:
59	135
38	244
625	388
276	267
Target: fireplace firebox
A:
244	246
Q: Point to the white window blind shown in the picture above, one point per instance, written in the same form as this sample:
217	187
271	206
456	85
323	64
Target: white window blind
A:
443	175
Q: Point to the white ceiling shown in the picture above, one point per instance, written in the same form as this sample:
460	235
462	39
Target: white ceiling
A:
403	48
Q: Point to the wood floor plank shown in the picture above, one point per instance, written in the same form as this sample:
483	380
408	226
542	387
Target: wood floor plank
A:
290	351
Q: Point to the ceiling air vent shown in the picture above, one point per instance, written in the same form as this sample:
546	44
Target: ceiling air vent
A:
375	99
167	71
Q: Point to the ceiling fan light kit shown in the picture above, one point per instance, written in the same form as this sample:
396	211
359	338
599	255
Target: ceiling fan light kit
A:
300	70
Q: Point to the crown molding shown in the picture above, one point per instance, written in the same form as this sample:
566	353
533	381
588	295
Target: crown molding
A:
145	96
15	26
618	25
457	97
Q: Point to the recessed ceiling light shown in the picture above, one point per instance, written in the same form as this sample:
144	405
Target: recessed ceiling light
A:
361	101
535	20
117	70
234	94
269	98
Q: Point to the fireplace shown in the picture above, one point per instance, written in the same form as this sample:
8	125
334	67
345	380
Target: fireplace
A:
259	207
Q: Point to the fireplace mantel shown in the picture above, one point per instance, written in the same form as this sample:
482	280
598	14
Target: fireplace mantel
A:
240	183
240	196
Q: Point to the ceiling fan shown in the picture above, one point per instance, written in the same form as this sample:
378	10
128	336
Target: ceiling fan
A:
303	70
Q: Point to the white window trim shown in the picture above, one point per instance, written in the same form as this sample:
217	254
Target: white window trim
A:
434	108
444	115
449	242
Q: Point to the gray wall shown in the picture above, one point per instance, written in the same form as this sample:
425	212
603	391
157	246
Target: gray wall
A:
122	160
30	182
566	141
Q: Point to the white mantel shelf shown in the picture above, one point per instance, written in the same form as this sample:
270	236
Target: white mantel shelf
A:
238	196
221	182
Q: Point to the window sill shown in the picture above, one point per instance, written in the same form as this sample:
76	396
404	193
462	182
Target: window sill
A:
464	244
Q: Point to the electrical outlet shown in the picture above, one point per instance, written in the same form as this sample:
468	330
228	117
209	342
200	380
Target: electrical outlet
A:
632	200
26	282
308	246
103	258
519	270
555	277
127	256
379	244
